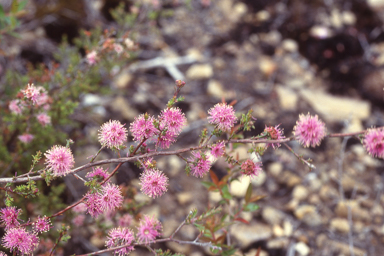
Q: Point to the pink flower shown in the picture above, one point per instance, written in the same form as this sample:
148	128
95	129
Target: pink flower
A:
112	134
153	183
92	58
99	173
223	116
125	220
274	133
43	97
80	208
43	119
374	142
26	138
250	168
118	48
32	93
3	254
60	160
93	204
42	224
110	197
165	139
173	120
78	221
200	164
149	228
120	236
218	149
309	130
20	241
16	107
9	216
143	127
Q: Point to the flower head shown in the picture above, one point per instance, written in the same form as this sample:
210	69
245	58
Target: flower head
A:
250	168
149	228
165	139
274	133
20	240
223	116
26	138
153	183
218	149
43	119
32	93
112	134
172	119
110	197
309	130
78	220
98	172
118	48
9	216
374	142
200	164
42	224
16	107
59	160
92	58
120	236
93	204
125	220
143	127
80	208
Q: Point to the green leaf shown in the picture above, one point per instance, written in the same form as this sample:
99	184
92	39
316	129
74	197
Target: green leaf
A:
226	193
229	252
208	184
248	194
21	5
251	207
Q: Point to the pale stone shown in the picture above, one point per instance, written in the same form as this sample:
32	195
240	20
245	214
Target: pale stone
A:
215	88
180	248
334	108
262	16
272	215
348	17
340	225
153	210
321	32
247	234
376	4
354	125
278	231
123	80
275	169
184	197
277	243
290	45
336	18
288	228
302	248
267	66
199	71
309	215
287	98
121	105
239	187
300	192
175	165
259	180
214	196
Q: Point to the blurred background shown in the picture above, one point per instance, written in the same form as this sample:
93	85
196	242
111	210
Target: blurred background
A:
278	58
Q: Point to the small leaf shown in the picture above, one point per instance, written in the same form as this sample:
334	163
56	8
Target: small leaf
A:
229	252
208	184
226	193
248	194
251	207
242	220
214	178
257	198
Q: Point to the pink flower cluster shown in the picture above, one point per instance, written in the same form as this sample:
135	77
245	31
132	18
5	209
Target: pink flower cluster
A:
218	149
149	228
373	142
20	241
112	134
250	168
60	160
42	224
98	173
274	133
309	130
107	199
153	182
200	164
9	217
118	237
223	116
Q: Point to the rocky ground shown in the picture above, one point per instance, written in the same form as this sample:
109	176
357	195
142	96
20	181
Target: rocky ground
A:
279	58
